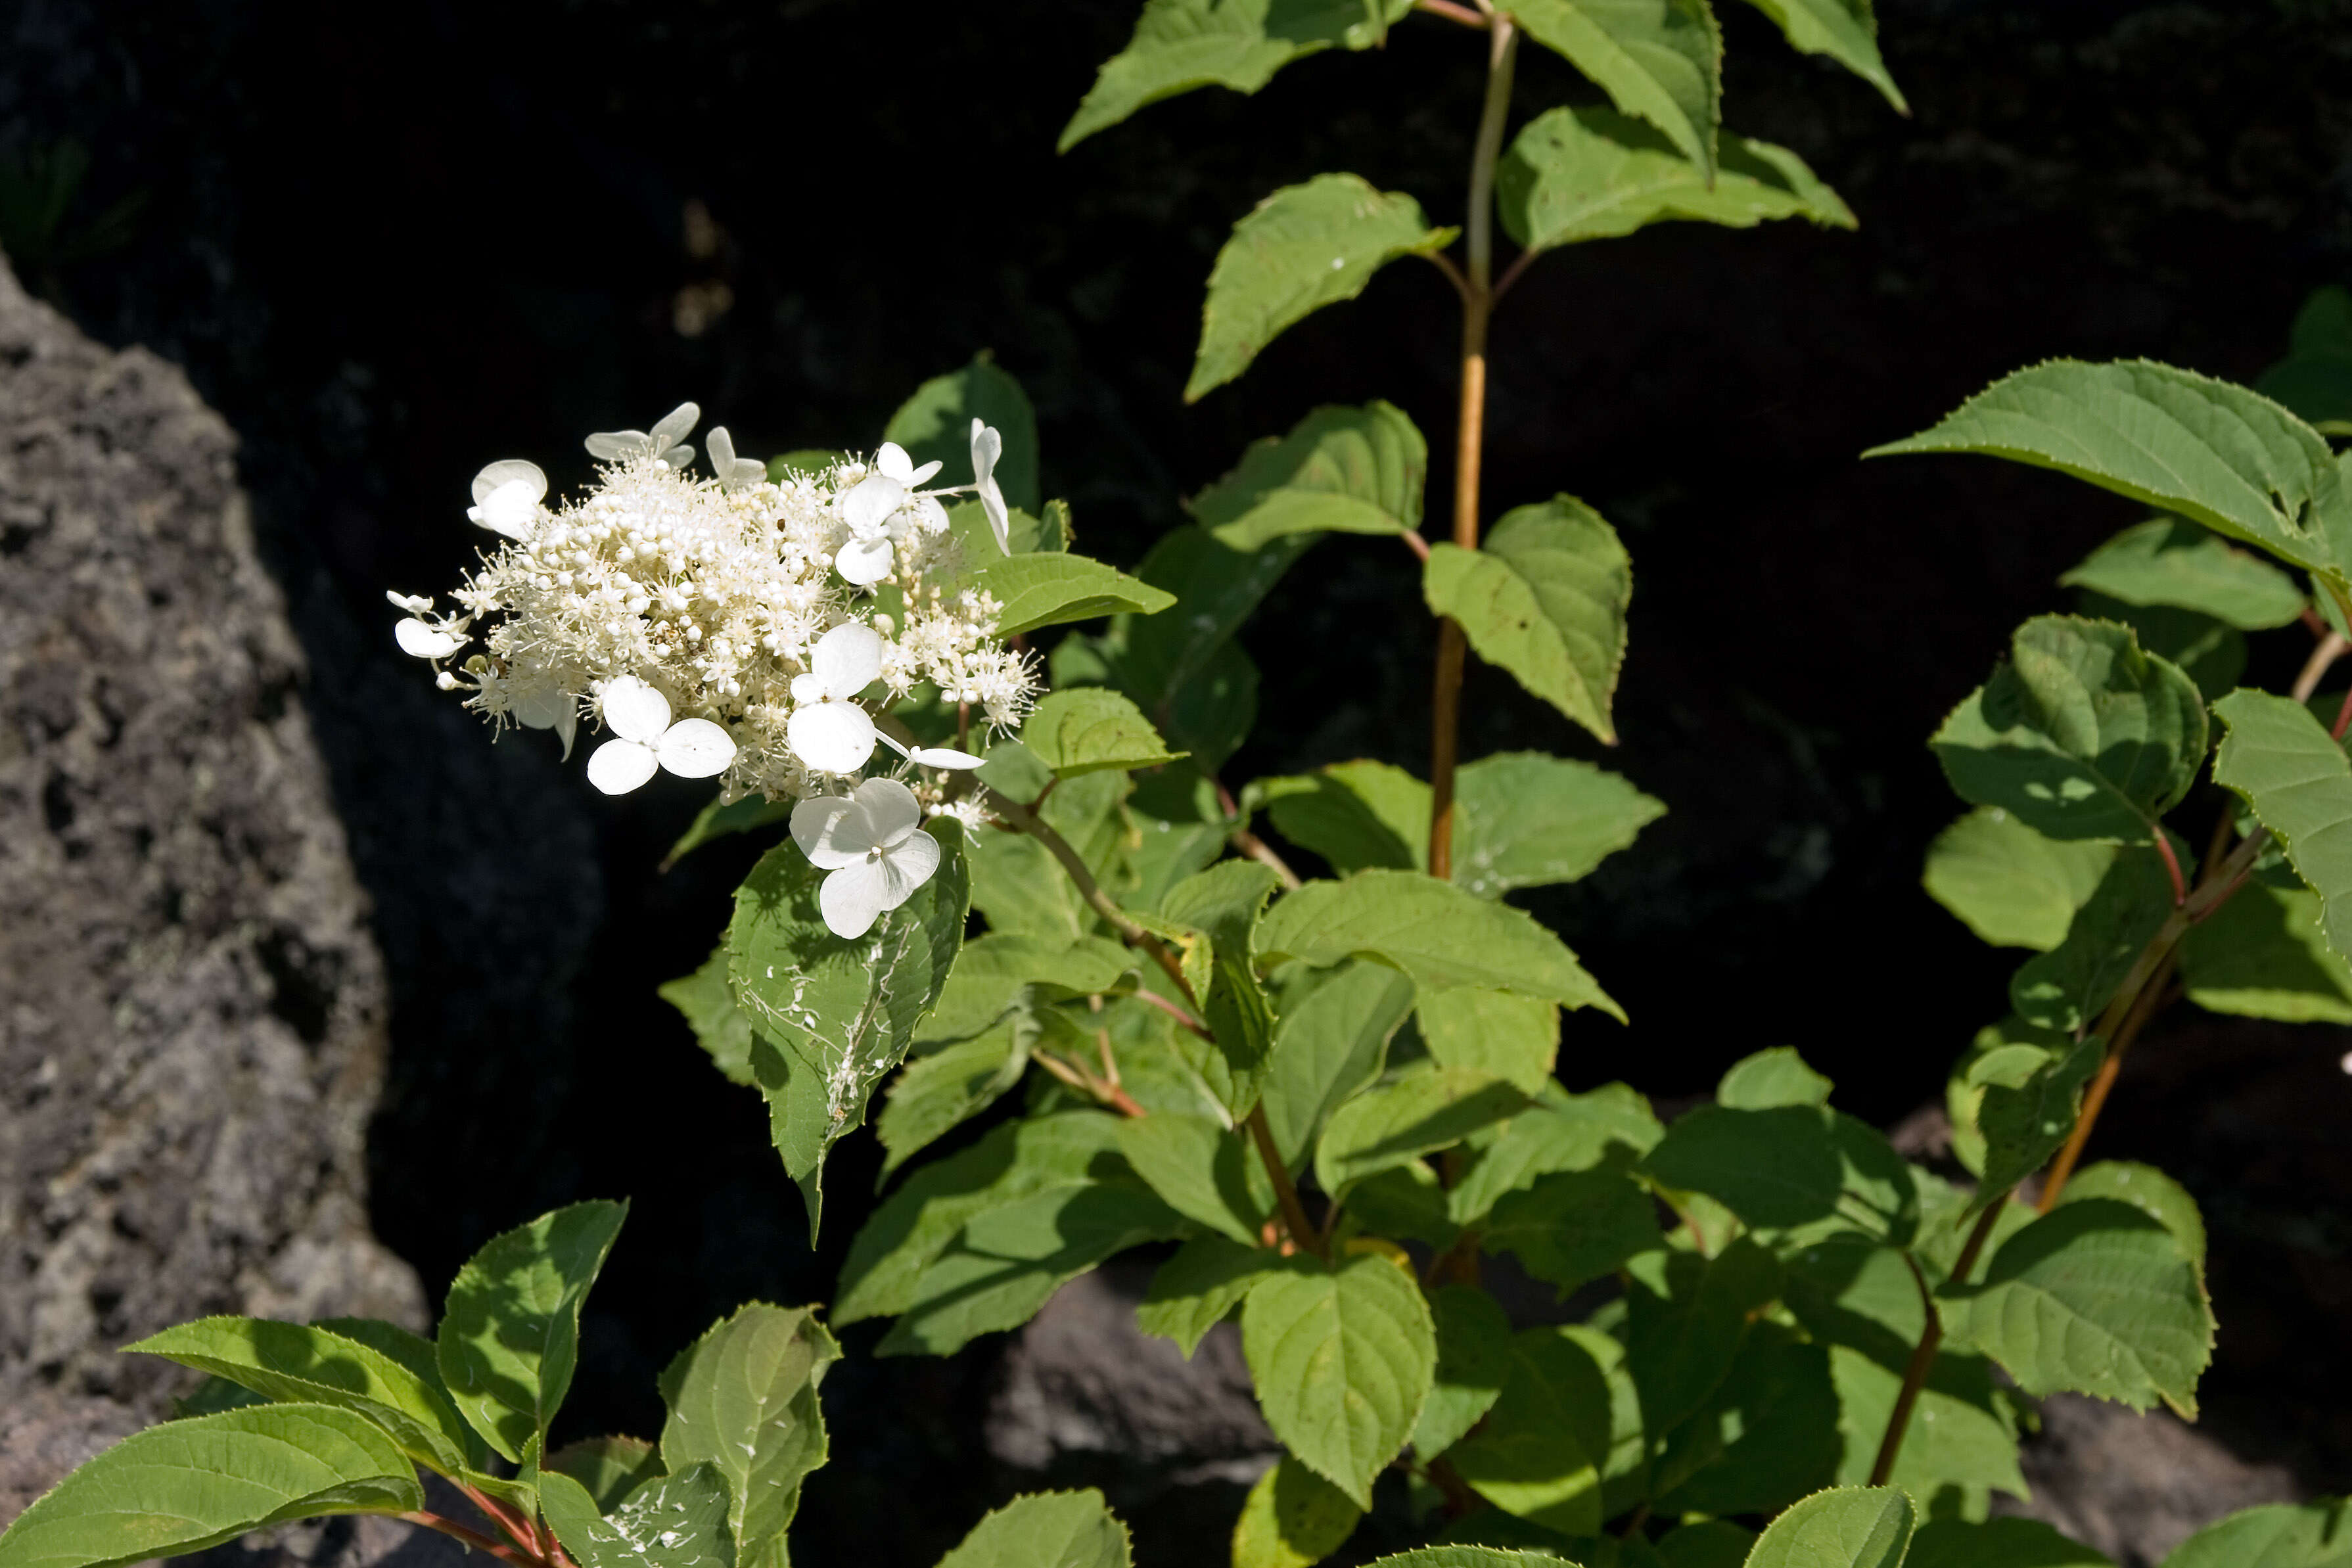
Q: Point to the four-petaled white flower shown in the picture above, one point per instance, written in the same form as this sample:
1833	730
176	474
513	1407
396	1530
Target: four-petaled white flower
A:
643	738
873	843
507	496
420	637
987	447
665	442
932	756
874	507
827	730
734	472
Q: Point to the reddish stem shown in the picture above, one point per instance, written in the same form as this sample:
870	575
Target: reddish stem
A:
1466	15
473	1538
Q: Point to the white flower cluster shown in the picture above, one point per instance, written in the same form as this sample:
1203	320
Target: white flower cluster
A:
728	627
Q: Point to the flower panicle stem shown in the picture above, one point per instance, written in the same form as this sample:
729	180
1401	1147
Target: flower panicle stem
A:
1476	285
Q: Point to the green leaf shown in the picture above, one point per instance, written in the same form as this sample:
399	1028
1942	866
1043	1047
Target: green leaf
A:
1525	820
1515	1038
1952	1442
1024	534
1087	728
1342	1360
1432	931
1846	1527
2081	736
1545	598
716	821
1302	248
1561	1132
1766	1437
935	425
1355	814
1845	30
509	1330
1181	45
2028	1109
1331	1040
2211	653
2168	561
1687	1318
707	1004
1021	891
1998	1544
1291	1519
1339	471
1412	1115
1183	669
1045	1530
1586	174
2065	988
676	1521
1199	1169
1540	1452
2012	886
1193	1292
1407	1202
2282	764
2216	453
1789	1167
1709	1544
1223	903
1474	1362
2314	380
2275	1535
1469	1557
1659	60
1770	1078
186	1485
608	1469
1046	590
934	1094
811	461
1061	1152
742	1398
993	973
2152	1193
289	1363
1572	1226
2264	956
844	1009
1007	1260
2093	1297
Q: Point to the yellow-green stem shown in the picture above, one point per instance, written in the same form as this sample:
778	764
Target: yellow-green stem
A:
1469	443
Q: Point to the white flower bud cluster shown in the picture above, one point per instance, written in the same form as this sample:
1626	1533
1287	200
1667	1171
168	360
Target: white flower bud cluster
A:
682	611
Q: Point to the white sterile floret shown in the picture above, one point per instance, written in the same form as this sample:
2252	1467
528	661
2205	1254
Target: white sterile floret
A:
426	638
872	842
645	738
507	496
987	447
734	472
828	731
932	756
665	442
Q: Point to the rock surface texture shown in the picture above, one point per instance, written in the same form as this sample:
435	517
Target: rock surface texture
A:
192	1009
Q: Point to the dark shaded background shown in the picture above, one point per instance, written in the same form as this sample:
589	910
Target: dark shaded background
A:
393	243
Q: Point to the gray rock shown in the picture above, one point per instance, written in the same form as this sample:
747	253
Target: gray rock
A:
2133	1486
192	1009
1082	1384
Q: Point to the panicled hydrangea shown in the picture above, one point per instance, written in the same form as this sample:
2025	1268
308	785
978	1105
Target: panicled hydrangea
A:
726	627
